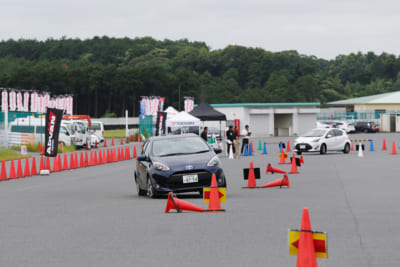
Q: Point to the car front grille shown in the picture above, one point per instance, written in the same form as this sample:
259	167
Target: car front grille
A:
175	181
303	147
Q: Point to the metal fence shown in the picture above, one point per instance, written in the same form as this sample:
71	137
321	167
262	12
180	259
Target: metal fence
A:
350	116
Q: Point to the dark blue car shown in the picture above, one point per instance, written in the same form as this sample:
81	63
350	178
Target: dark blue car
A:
176	163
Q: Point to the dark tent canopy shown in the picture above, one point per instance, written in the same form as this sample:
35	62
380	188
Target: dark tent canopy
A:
205	112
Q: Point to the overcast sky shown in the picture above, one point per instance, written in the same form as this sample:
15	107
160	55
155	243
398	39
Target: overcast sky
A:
324	28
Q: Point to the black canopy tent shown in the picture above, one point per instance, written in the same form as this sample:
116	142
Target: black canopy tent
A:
205	112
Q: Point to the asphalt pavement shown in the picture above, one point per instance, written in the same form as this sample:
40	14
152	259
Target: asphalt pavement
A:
93	217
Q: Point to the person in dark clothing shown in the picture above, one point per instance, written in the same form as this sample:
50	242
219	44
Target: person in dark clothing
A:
230	136
204	134
245	134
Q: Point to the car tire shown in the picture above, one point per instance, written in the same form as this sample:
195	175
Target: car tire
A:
139	190
346	149
322	150
150	192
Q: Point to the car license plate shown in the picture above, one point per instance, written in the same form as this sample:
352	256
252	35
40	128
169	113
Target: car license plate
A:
193	178
302	146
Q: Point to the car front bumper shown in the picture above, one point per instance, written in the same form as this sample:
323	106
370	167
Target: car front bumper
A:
307	147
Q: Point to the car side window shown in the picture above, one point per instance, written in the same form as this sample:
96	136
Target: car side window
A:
338	133
144	149
331	133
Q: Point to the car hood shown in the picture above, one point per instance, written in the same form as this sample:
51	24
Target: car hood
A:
186	162
303	139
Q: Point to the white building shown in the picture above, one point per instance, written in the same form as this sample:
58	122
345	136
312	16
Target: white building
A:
272	119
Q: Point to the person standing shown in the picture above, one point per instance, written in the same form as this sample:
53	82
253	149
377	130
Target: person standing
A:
204	134
229	139
245	133
236	142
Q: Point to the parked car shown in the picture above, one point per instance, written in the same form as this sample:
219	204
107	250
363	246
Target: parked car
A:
323	140
366	127
348	127
326	124
176	163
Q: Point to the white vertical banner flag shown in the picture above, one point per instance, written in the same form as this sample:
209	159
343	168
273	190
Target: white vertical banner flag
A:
70	105
13	100
20	106
46	101
42	104
189	103
4	100
148	106
34	102
26	101
59	102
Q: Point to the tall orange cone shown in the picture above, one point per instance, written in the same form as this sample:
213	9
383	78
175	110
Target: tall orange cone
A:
27	171
105	142
288	146
81	160
214	204
134	152
72	161
251	180
112	141
91	159
273	169
122	141
384	144
47	166
19	169
394	149
351	147
59	162
282	157
95	162
55	164
12	170
33	169
3	175
179	205
39	146
284	181
301	159
41	166
306	251
76	160
104	158
293	170
95	144
65	165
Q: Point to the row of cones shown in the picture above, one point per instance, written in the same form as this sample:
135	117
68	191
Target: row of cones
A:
95	159
214	204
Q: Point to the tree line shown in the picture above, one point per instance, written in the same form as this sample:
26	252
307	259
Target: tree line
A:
107	75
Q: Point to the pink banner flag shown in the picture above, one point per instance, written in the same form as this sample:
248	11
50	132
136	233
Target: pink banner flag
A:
4	100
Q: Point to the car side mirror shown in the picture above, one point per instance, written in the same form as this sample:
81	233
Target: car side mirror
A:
329	136
141	158
217	150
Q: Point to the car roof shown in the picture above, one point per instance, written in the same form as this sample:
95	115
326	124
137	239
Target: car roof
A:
177	136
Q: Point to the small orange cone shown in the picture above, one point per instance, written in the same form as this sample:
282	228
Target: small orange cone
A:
47	166
91	159
3	175
251	146
384	144
81	161
39	146
86	162
351	147
293	170
76	160
55	165
95	144
12	170
72	161
179	205
301	159
139	139
251	180
34	169
65	165
19	169
214	204
306	251
112	141
105	142
122	141
288	146
273	169
27	169
95	162
127	140
134	152
59	162
282	158
284	181
394	149
104	159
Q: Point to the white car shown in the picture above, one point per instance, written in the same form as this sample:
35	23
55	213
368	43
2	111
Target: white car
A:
348	127
322	140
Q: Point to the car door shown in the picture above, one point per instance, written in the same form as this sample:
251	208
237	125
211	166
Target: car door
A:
330	140
340	139
142	166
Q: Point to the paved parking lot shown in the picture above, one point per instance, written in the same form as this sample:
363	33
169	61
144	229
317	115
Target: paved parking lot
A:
93	217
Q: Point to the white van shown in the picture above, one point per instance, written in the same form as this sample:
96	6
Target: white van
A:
97	128
30	130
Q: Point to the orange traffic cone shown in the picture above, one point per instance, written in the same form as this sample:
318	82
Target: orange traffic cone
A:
27	170
3	175
284	181
12	170
59	162
288	146
251	180
65	165
81	160
139	139
91	159
273	169
301	159
95	144
293	170
47	166
76	160
122	141
39	146
282	157
112	141
103	158
351	147
306	251
251	146
41	166
105	142
34	169
55	165
127	140
393	149
72	161
19	169
384	144
86	162
179	205
214	204
95	162
134	152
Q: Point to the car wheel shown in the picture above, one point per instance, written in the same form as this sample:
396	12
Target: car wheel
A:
322	150
150	189
139	190
346	148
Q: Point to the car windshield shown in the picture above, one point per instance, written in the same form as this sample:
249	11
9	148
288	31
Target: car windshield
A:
179	146
314	133
96	126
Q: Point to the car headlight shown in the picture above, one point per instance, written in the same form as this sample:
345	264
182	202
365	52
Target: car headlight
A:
213	162
160	166
315	140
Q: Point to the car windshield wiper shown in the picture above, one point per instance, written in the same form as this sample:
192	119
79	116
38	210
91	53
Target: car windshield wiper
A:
202	151
173	154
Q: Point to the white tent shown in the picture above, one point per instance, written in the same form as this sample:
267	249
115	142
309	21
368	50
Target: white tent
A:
171	112
183	119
